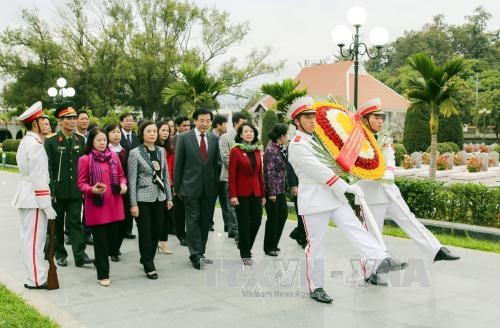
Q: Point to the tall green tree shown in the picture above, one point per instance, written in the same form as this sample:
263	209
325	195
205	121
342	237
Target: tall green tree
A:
416	136
431	89
439	40
270	118
31	75
195	89
124	52
283	92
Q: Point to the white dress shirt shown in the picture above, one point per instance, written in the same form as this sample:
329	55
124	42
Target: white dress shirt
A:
198	137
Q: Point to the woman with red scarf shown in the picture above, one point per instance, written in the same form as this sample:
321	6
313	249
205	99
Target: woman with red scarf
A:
101	179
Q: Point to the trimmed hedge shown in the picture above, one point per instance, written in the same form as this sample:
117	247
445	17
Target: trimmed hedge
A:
10	159
450	129
416	134
468	203
270	118
11	144
400	151
445	147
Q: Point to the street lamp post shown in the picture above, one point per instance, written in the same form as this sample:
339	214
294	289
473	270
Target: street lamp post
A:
341	35
61	92
485	112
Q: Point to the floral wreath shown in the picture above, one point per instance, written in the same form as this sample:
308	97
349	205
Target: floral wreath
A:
334	126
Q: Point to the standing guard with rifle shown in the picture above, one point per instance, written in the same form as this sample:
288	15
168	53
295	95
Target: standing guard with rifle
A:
32	199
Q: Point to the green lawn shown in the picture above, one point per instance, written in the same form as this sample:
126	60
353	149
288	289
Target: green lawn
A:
445	239
9	169
15	313
452	240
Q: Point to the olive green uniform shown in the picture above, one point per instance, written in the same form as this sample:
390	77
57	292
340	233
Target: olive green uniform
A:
63	154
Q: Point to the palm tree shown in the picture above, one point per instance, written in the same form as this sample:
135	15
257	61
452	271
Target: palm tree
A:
196	88
283	92
430	89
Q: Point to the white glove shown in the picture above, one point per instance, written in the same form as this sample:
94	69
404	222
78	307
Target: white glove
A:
50	213
356	190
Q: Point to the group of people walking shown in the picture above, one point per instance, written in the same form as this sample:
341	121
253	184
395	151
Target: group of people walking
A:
169	182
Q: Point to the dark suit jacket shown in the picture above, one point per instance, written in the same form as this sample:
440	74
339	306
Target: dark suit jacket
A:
194	177
126	145
243	179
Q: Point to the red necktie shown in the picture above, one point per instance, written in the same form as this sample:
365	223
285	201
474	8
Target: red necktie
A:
203	147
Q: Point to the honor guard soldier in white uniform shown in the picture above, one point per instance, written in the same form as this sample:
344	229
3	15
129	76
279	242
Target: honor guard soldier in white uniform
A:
32	198
321	199
384	198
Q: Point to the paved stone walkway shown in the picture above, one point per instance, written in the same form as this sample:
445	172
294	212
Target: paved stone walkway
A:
272	294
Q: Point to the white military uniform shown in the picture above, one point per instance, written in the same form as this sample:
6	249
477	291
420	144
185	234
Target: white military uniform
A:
381	206
31	197
321	199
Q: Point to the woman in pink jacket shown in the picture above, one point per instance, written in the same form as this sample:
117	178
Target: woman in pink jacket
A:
101	179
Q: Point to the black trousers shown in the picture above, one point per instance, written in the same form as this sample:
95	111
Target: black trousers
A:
221	195
166	223
277	213
148	227
105	238
249	215
198	214
299	232
71	209
129	220
180	217
124	227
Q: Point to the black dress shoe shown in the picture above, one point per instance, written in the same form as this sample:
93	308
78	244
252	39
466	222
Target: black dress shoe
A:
444	254
272	253
278	249
44	286
377	280
299	239
183	242
85	260
197	263
129	235
211	228
321	296
119	253
389	264
67	240
89	240
203	259
231	235
62	262
115	258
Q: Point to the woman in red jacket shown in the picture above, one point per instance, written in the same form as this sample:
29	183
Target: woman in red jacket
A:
246	187
101	180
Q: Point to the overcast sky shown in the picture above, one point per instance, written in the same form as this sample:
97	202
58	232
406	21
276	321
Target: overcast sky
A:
300	30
